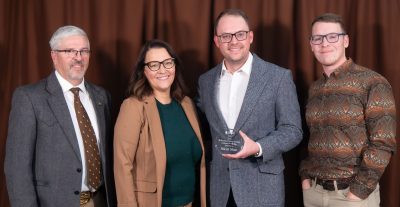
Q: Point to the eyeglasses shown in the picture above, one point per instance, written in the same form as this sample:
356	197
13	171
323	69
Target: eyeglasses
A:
331	38
227	37
73	53
155	65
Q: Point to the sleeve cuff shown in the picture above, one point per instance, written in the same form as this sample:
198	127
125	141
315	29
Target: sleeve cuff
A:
259	153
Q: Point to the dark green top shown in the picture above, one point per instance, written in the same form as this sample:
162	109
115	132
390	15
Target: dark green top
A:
183	154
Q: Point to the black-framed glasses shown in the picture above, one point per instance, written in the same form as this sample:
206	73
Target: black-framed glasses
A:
331	38
74	53
155	65
227	37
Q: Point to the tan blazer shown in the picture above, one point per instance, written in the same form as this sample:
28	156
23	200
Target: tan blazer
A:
140	155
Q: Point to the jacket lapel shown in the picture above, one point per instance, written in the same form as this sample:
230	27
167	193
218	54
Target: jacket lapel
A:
214	98
99	102
157	138
60	110
253	92
190	112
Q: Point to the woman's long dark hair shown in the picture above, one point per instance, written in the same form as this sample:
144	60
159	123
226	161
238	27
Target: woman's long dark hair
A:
139	86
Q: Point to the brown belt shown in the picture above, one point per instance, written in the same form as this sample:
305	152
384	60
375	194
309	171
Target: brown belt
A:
330	184
85	197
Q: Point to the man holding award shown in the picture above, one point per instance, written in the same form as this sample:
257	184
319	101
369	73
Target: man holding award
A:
253	113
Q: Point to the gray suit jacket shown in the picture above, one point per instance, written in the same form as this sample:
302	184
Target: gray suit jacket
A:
43	166
270	115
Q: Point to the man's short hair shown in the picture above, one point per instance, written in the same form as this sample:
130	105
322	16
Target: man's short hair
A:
329	17
65	31
233	12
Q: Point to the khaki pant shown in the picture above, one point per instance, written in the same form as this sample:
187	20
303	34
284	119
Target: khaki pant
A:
316	196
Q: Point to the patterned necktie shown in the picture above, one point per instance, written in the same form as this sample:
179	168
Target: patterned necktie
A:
89	141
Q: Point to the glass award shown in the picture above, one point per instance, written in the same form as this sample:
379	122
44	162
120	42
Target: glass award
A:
231	143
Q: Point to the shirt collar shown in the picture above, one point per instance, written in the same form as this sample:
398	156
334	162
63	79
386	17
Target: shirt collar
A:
246	68
342	69
65	85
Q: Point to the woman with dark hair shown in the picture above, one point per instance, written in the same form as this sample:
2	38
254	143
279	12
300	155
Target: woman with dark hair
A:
158	150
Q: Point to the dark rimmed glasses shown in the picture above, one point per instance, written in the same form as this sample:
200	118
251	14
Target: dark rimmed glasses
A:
227	37
155	65
331	38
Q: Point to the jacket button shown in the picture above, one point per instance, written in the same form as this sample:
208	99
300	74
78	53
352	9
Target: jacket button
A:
78	170
76	192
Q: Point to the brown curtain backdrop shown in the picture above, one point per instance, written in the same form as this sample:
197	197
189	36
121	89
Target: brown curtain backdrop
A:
117	29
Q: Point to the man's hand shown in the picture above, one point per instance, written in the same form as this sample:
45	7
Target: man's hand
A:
353	197
250	148
306	184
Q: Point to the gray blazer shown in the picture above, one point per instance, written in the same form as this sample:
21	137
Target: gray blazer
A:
43	166
270	115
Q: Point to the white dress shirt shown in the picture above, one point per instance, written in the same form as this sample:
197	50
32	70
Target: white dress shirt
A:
232	89
87	103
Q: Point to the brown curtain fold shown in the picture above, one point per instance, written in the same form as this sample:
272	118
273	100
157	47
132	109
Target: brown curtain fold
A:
117	30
